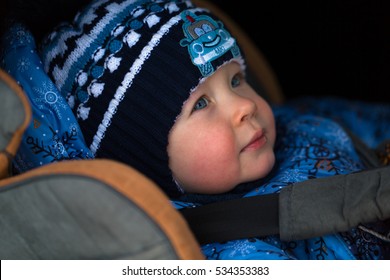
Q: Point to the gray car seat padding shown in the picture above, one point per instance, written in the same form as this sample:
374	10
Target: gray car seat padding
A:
90	209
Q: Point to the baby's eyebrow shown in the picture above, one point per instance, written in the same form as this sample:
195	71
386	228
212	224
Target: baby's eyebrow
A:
189	103
195	95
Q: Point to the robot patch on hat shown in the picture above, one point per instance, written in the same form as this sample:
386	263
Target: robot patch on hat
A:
206	40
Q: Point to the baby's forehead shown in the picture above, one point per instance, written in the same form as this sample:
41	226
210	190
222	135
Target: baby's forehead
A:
233	66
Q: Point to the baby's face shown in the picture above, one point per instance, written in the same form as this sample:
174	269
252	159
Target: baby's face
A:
224	135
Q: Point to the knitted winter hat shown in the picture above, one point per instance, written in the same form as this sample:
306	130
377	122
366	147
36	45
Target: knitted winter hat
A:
126	68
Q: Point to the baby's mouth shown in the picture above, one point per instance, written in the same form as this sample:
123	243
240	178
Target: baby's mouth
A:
258	140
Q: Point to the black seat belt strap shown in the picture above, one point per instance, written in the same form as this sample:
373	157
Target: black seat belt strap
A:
234	219
307	209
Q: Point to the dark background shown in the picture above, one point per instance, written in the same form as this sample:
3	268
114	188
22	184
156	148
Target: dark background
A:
322	47
315	47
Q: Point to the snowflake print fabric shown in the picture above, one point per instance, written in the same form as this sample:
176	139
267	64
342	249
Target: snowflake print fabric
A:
53	134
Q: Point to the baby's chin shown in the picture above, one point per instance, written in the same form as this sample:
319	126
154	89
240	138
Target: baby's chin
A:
260	170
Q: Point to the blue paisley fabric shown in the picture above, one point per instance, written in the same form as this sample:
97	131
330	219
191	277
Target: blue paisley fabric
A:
311	143
54	134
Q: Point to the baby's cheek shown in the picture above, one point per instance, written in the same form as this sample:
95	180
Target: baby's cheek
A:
213	167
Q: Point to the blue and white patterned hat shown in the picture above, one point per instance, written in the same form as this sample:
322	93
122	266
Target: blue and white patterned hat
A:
126	68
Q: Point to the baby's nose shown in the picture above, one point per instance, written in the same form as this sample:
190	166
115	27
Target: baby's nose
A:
244	109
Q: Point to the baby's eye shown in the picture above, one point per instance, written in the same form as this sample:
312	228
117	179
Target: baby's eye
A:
236	80
200	104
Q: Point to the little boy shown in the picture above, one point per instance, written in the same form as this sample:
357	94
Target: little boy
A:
128	67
